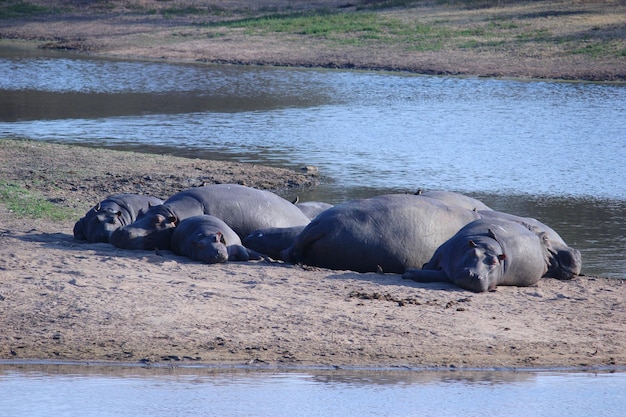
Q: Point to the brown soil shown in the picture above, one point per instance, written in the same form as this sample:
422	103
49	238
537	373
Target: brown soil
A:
67	300
574	40
63	299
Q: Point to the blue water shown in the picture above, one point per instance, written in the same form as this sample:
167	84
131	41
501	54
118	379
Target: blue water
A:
83	391
378	130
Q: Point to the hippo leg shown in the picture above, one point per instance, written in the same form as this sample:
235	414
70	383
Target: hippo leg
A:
425	275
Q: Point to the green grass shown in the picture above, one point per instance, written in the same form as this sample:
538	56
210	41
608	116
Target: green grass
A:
18	8
597	49
23	203
363	28
344	28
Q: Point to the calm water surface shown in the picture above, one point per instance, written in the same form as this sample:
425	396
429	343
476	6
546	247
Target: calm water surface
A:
56	390
554	151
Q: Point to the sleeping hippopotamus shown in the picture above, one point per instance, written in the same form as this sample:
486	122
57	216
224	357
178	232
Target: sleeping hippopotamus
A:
485	254
244	209
272	241
457	199
312	208
563	262
388	233
110	214
208	239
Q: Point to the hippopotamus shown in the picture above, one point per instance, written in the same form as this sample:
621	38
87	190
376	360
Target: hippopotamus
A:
312	208
485	254
388	233
457	199
272	241
208	239
110	214
564	262
243	208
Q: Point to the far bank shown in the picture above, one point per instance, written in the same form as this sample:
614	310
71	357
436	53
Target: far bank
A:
538	40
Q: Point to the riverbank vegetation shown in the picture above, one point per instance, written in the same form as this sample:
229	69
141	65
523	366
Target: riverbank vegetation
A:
538	39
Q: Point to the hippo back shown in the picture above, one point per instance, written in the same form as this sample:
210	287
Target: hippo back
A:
388	233
244	209
454	198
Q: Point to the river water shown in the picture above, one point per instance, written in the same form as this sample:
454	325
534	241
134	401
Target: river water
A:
61	390
554	151
549	150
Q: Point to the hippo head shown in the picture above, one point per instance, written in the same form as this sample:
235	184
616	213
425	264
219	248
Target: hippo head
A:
99	223
210	249
153	230
480	265
563	261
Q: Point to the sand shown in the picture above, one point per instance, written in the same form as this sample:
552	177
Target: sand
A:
63	299
66	300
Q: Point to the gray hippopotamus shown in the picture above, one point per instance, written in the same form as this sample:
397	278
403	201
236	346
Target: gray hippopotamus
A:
272	241
110	214
454	198
485	254
312	208
564	262
388	233
244	209
208	239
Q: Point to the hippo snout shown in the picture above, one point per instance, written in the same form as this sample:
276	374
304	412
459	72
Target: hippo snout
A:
126	239
570	263
472	280
211	254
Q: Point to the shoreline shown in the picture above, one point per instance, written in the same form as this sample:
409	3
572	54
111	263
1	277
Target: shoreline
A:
526	40
239	367
64	300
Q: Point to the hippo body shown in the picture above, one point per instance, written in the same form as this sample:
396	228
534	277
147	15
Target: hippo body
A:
457	199
207	239
485	254
272	241
244	209
388	233
312	208
564	262
110	214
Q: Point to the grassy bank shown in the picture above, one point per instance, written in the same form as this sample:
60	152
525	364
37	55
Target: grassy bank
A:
539	39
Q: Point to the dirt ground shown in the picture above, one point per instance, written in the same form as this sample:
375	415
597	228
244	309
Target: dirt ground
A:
63	299
571	40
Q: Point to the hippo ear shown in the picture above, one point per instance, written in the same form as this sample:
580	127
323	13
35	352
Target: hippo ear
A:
97	207
296	200
173	219
491	234
471	244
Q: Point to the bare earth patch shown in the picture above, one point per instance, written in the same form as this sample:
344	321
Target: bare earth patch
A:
573	40
63	299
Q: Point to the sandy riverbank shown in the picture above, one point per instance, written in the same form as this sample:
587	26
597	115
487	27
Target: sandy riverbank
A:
63	299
